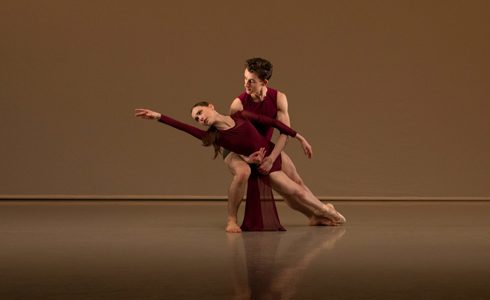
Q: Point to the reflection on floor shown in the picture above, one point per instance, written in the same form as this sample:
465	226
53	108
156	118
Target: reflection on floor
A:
171	250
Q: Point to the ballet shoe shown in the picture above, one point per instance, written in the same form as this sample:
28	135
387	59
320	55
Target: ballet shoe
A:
316	220
328	211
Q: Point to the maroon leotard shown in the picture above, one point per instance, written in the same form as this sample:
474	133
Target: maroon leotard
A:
243	138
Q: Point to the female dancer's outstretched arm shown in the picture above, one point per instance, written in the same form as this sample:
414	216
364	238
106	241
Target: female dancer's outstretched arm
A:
254	158
152	115
199	133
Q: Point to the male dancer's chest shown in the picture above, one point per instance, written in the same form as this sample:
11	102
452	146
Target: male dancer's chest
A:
265	107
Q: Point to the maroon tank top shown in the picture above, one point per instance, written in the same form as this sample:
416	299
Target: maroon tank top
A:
266	107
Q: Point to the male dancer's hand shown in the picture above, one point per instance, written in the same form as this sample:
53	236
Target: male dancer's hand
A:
307	149
266	165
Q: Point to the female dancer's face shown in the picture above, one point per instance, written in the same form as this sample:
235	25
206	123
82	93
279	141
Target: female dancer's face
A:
204	115
252	83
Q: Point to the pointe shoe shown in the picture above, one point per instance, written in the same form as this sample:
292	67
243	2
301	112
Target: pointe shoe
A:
329	211
316	220
341	218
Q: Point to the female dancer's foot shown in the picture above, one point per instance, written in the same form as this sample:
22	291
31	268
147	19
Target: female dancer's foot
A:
328	211
321	221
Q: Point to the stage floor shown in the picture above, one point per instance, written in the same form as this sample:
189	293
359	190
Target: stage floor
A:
179	250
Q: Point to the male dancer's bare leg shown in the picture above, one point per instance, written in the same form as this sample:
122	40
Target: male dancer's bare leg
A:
240	171
295	203
285	186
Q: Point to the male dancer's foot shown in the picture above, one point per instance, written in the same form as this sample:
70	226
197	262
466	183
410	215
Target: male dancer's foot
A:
232	227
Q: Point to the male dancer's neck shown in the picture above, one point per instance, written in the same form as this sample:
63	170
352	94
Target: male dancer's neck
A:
260	96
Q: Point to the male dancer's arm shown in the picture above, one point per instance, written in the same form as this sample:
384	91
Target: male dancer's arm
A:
236	105
283	128
282	116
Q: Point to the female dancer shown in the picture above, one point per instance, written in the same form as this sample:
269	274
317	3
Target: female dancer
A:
237	133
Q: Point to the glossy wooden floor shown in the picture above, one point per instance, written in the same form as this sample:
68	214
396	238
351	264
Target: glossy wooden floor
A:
170	250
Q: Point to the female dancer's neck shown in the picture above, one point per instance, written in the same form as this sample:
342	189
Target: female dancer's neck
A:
224	122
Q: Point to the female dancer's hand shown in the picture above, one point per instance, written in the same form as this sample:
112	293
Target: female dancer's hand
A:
305	145
147	114
255	158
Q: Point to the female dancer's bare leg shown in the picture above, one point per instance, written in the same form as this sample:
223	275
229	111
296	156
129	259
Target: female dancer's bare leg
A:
241	171
286	187
289	169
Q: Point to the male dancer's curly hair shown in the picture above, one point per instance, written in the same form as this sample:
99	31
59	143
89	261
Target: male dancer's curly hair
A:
260	66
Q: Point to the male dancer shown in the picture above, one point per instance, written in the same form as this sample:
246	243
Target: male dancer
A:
261	99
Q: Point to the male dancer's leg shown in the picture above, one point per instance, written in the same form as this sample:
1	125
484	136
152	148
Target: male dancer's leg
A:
240	171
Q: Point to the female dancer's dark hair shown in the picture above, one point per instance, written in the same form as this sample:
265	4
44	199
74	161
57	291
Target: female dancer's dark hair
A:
211	138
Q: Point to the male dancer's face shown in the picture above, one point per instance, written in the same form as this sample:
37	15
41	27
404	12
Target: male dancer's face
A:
252	83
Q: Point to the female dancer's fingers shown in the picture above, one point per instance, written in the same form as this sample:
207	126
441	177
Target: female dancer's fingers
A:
139	112
143	112
142	115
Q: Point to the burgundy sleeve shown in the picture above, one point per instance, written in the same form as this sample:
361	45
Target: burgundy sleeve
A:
194	131
264	120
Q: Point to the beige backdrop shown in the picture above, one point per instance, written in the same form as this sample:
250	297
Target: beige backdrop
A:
393	95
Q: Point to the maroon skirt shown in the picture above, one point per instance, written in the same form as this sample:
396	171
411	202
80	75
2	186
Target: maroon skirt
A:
260	207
